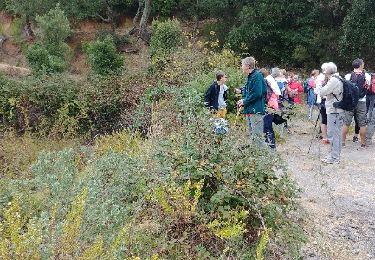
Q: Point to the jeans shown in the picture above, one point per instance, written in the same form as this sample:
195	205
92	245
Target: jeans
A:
334	127
256	127
268	130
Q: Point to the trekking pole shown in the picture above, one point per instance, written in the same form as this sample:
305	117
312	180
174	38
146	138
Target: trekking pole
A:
237	114
312	139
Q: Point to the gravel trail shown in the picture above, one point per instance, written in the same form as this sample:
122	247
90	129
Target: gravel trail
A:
339	200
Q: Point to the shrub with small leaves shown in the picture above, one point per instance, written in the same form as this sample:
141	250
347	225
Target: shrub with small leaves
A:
50	53
166	37
103	57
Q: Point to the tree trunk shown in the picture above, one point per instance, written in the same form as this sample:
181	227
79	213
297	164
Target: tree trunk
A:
144	34
27	28
135	29
111	18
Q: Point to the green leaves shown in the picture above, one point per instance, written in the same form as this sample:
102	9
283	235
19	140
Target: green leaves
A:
103	57
50	53
166	37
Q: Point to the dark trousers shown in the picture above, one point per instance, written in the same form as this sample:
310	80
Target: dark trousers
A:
356	127
268	130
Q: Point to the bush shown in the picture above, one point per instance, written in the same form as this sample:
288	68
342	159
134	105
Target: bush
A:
166	37
50	53
41	60
103	57
177	195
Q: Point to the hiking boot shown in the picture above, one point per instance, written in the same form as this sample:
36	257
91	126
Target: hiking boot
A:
330	161
355	139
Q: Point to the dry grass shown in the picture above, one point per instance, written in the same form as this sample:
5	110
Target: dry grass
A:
18	153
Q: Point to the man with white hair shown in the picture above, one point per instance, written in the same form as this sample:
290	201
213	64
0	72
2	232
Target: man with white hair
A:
254	100
333	91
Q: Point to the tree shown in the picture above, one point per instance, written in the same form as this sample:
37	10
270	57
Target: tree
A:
50	53
28	10
140	20
358	39
274	31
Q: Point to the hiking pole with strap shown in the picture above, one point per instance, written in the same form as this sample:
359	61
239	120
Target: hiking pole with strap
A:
312	139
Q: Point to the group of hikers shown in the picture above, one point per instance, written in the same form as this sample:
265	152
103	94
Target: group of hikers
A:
339	99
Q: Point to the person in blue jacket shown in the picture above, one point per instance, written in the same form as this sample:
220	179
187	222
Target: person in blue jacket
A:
254	100
216	95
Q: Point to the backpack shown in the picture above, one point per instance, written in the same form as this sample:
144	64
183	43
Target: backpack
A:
306	86
269	91
360	80
350	95
371	87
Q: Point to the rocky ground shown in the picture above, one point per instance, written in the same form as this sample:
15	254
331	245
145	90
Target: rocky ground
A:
339	200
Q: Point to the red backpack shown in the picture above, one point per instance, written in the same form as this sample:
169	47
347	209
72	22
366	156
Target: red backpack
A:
371	87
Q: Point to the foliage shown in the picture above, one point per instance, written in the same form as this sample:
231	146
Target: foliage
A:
28	8
166	37
50	53
359	31
41	60
256	31
18	153
173	195
54	27
103	57
16	29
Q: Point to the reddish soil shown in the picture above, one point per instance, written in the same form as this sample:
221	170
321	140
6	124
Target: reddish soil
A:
11	54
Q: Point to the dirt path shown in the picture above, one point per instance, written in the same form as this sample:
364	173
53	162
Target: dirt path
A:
13	70
339	200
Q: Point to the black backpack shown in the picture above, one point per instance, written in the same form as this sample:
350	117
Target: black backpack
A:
360	80
350	95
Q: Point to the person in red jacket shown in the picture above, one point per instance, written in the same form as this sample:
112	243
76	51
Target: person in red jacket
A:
296	89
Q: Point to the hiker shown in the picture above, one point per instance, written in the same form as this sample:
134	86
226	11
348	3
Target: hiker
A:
362	80
216	95
370	105
370	97
296	89
272	100
253	100
273	93
280	80
311	96
319	83
333	90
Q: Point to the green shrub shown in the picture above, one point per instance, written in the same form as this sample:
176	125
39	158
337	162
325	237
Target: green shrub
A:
50	54
103	57
181	195
41	60
55	105
54	26
166	37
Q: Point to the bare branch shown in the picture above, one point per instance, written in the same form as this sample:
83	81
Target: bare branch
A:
106	20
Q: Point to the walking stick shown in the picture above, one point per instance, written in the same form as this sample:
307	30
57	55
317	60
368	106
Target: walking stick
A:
237	114
312	139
